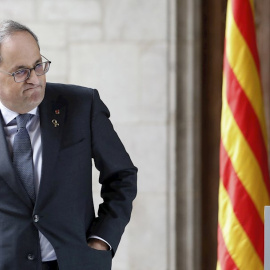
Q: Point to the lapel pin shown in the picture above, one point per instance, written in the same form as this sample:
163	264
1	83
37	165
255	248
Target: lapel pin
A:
57	111
55	123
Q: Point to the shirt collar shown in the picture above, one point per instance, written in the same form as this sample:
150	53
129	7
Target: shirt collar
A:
9	115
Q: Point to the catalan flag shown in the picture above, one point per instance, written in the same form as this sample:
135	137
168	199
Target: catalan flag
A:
244	177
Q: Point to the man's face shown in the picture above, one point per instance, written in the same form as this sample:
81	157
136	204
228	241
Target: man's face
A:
20	50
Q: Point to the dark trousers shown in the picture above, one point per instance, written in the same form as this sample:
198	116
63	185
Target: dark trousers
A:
51	265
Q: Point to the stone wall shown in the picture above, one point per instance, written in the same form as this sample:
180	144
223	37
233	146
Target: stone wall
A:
125	50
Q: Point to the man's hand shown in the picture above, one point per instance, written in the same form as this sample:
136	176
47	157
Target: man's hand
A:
97	244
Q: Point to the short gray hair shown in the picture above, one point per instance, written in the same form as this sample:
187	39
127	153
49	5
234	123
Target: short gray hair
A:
9	27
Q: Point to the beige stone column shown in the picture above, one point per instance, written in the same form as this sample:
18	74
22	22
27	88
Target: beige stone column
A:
188	134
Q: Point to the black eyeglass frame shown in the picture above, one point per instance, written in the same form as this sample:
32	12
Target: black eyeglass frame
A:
29	70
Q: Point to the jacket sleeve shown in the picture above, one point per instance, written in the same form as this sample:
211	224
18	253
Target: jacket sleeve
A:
118	176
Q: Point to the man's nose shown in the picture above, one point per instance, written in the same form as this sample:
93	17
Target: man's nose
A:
33	78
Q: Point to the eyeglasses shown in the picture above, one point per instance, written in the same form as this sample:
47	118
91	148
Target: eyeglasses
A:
23	74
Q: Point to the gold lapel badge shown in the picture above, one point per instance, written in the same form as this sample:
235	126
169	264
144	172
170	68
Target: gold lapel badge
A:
55	123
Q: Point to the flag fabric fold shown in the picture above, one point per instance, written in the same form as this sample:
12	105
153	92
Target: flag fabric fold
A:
244	176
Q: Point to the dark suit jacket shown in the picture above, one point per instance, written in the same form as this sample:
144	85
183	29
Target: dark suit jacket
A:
64	210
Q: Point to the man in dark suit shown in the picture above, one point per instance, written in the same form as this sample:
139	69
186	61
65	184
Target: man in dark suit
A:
49	134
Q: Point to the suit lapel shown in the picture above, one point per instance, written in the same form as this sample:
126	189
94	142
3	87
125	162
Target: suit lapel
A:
52	115
7	172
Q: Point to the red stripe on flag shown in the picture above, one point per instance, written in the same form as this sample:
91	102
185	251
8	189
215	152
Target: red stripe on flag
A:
243	205
224	256
244	19
247	120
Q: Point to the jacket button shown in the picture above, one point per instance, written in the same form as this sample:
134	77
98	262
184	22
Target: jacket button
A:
36	218
30	257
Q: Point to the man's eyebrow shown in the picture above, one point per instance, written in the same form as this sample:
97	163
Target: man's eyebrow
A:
21	66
